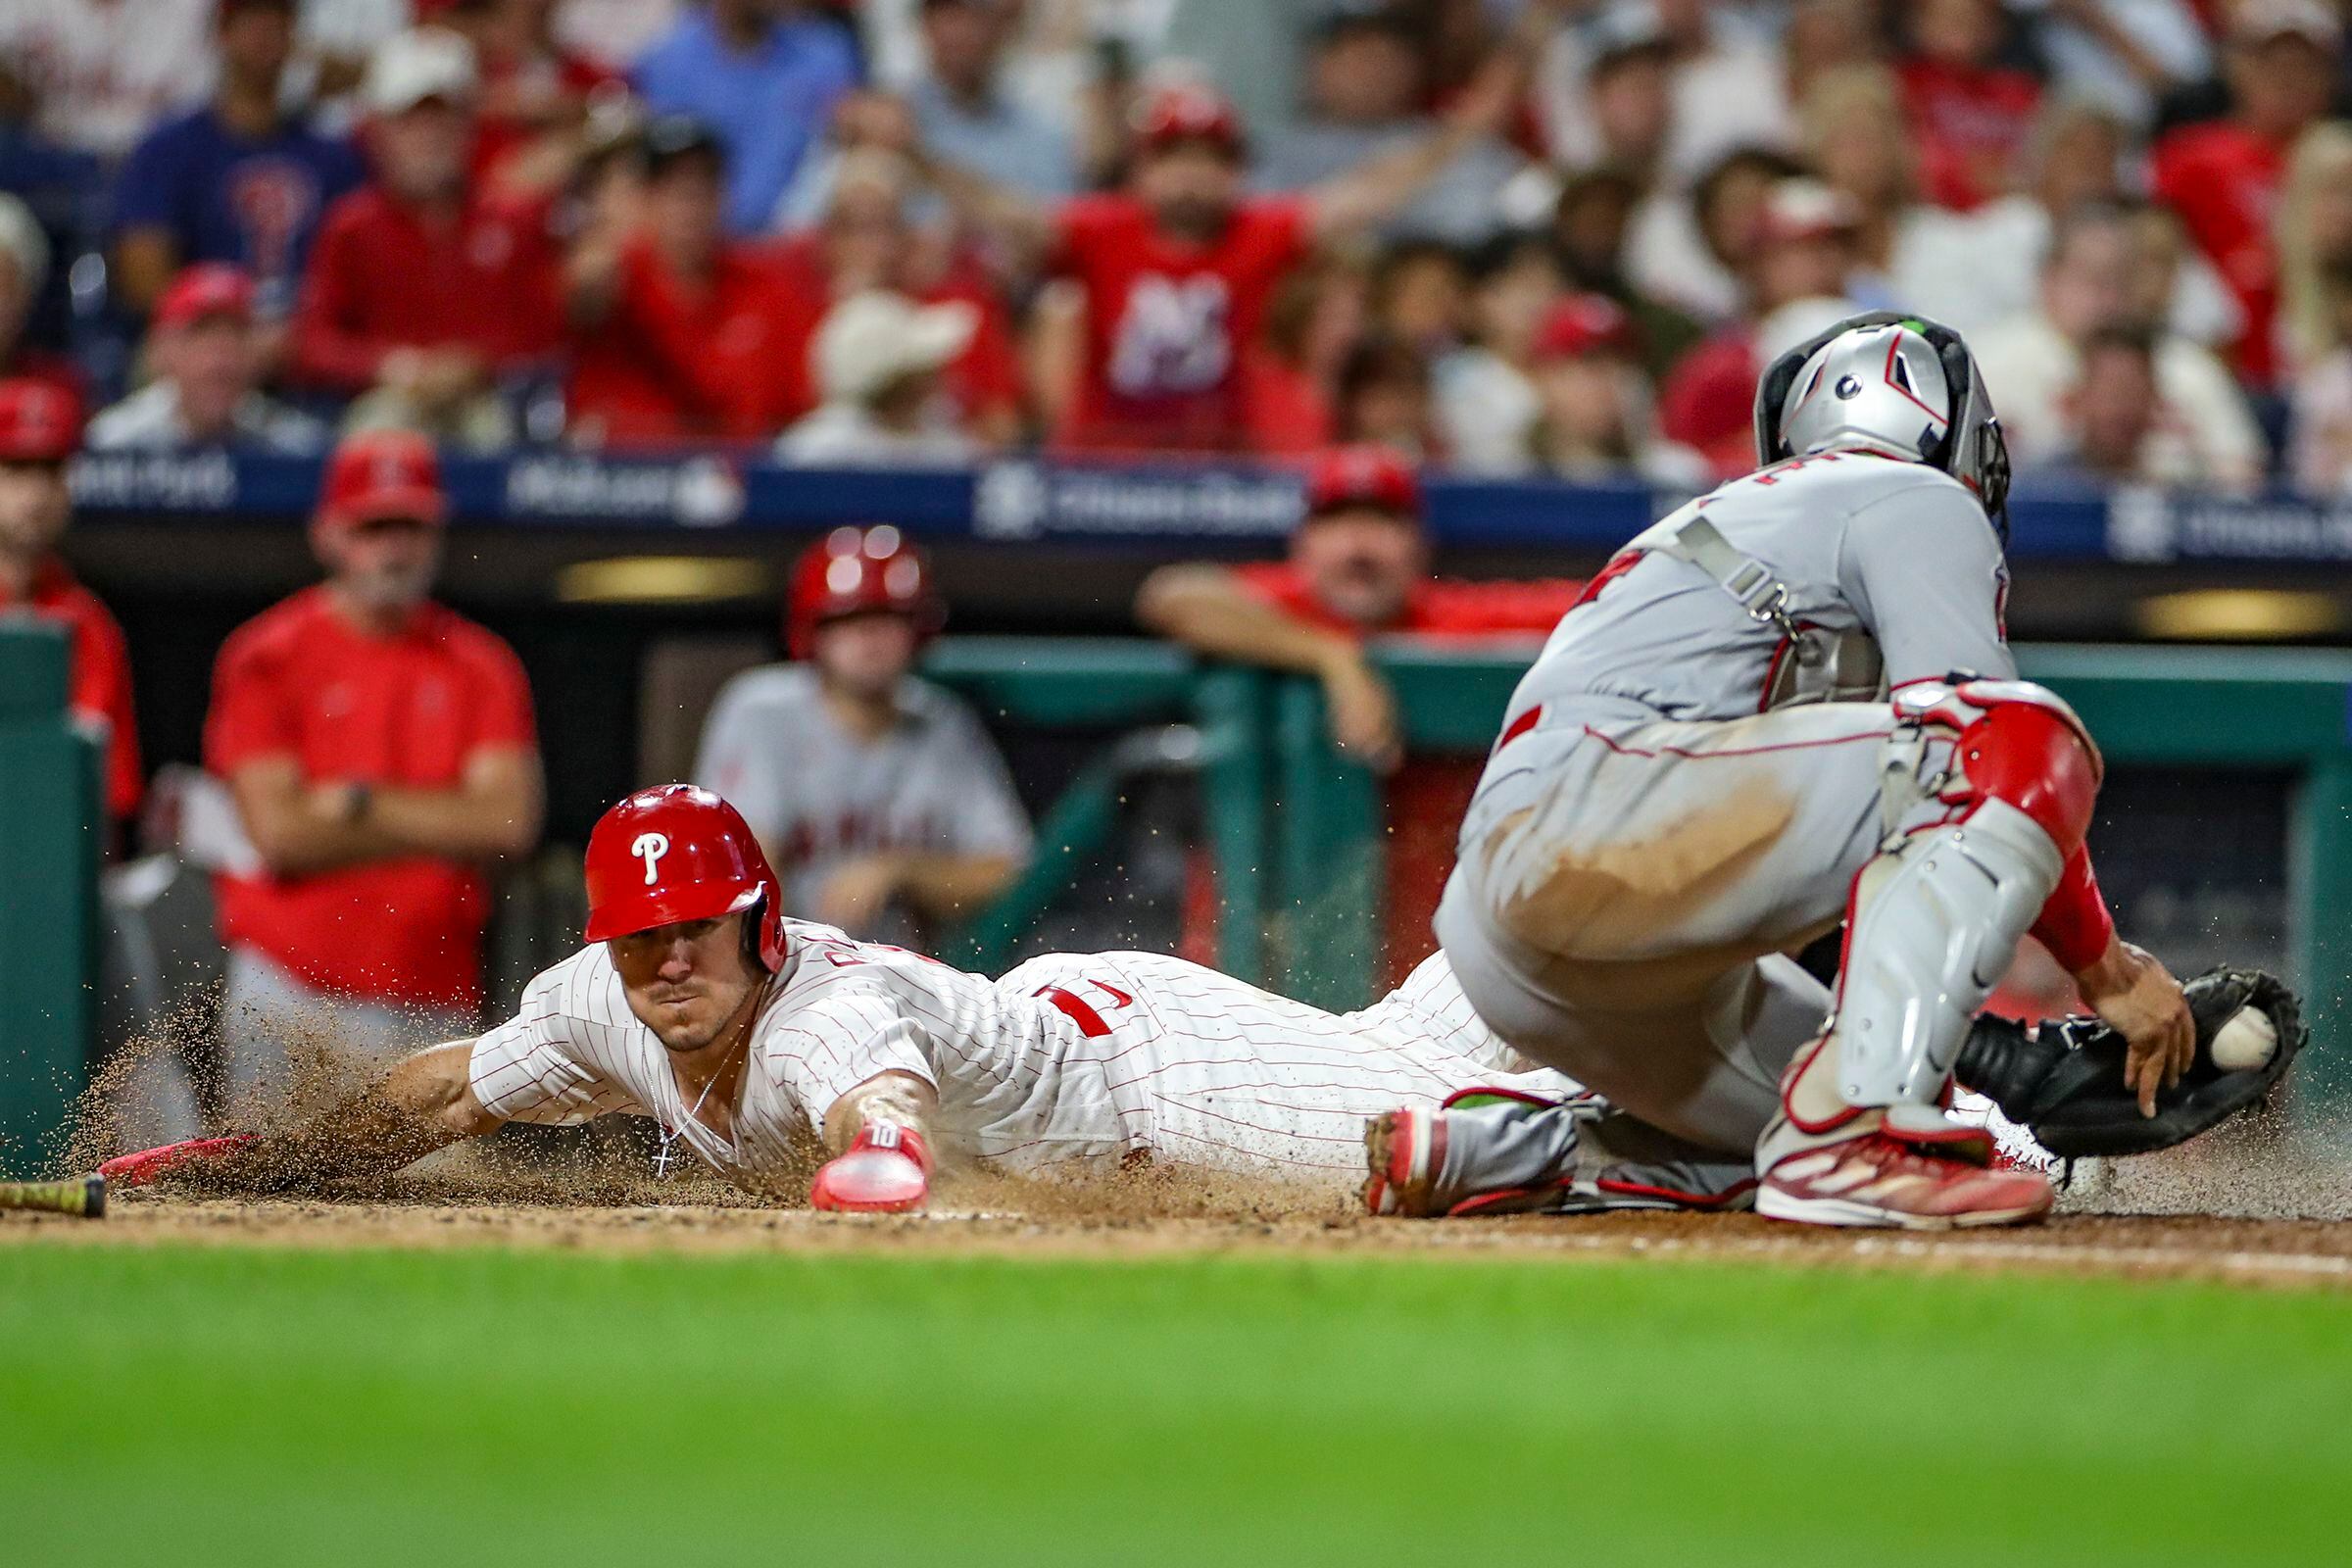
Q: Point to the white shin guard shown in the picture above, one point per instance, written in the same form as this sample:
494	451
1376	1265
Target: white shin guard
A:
1934	923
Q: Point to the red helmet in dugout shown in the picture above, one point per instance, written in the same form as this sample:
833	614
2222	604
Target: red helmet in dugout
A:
677	852
851	570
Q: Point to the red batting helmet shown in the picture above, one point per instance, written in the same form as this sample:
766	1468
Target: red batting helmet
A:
678	853
853	569
40	422
1364	475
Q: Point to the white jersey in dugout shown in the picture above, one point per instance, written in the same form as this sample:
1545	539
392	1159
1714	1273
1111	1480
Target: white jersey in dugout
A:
1071	1058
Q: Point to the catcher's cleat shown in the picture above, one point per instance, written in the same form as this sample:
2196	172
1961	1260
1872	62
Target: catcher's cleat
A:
1508	1152
1876	1179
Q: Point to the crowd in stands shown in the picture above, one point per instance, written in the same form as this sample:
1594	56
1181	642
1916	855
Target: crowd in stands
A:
1508	236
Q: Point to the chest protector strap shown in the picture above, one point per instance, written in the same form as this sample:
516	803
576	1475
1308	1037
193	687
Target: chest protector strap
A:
1815	665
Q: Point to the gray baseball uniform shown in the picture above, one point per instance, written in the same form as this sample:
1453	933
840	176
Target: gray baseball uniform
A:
819	797
1645	833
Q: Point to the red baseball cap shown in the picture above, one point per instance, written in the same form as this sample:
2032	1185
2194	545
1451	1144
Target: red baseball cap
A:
1187	111
207	288
40	422
382	474
1365	475
1583	324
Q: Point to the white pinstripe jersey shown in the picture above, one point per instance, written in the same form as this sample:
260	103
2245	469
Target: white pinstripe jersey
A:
1069	1058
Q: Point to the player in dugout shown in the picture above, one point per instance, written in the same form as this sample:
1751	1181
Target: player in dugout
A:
770	1048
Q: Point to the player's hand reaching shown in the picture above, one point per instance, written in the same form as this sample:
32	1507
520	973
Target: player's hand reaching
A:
886	1171
2129	989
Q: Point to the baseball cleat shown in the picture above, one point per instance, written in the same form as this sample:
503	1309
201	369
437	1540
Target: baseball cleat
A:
1878	1180
1403	1150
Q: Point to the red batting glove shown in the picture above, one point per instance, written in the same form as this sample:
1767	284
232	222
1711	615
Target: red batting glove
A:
887	1171
149	1165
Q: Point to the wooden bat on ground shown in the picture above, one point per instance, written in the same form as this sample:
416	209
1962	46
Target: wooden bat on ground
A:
82	1195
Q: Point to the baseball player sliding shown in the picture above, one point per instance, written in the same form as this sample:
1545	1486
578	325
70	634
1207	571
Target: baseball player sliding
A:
1704	771
751	1037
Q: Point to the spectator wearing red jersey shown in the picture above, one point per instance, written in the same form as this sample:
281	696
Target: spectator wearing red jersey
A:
2224	176
867	239
1969	116
40	425
678	332
1357	568
1176	273
535	90
421	291
380	752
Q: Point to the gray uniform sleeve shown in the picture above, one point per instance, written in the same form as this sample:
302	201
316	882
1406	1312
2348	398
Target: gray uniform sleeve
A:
987	818
1924	570
737	759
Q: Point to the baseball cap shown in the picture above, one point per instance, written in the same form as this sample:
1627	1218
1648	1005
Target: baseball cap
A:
40	422
207	288
1805	209
1187	111
872	338
1581	324
2261	20
378	474
410	67
1626	31
1364	475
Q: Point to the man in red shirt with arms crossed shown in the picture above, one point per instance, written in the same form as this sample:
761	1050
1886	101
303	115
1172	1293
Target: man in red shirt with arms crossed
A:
380	749
40	426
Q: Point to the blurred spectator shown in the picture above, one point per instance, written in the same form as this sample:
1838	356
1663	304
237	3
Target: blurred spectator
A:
2313	231
1358	567
40	425
535	89
1177	274
333	40
380	751
2203	433
679	332
2279	59
55	184
615	32
878	360
1671	87
206	358
1686	250
1805	250
236	180
104	71
420	290
1968	112
881	802
965	113
2124	55
766	75
1591	228
1421	295
1487	401
2320	412
24	268
1364	91
867	239
2172	282
1291	375
1383	397
2110	413
1857	141
1595	419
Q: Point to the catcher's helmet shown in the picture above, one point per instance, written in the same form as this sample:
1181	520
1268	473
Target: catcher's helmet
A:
1898	385
855	569
677	852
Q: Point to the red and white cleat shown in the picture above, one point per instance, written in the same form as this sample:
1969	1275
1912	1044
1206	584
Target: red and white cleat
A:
1874	1179
1402	1153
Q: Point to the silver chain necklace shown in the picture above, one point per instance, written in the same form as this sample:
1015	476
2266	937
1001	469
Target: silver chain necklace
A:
665	1157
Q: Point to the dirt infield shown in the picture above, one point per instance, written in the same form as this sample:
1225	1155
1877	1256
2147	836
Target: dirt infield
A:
2305	1252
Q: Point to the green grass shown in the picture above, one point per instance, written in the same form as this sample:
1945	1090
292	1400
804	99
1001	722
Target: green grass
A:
258	1406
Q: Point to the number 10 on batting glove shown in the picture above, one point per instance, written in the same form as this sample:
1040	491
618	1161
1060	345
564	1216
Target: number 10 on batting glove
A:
887	1171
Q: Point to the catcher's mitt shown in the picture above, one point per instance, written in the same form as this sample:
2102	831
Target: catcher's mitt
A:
2064	1083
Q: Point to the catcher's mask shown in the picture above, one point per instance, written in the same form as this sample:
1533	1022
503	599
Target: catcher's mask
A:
1899	385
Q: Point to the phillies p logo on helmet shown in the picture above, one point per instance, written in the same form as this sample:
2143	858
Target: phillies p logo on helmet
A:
650	848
